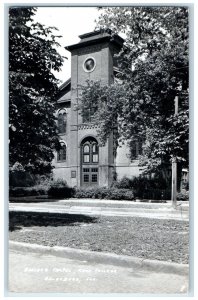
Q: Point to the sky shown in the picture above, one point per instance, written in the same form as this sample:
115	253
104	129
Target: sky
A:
71	22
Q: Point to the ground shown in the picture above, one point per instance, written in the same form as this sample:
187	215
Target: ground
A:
165	240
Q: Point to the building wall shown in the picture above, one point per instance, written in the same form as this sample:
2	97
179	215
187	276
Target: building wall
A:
62	168
70	170
79	131
124	166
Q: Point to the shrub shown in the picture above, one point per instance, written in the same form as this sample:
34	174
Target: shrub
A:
141	183
183	196
121	194
18	178
44	180
129	195
27	191
104	193
153	194
145	188
59	189
97	193
124	183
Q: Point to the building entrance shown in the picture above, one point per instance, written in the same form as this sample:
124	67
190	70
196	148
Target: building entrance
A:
89	162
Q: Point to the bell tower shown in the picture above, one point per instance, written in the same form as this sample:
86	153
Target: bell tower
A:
91	59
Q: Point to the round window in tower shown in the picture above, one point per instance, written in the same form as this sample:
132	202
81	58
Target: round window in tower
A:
89	64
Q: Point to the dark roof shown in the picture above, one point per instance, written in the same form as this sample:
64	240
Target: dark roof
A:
65	84
95	32
64	88
96	36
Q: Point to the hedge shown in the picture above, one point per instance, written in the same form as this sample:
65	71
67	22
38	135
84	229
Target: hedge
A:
183	196
104	193
27	191
60	189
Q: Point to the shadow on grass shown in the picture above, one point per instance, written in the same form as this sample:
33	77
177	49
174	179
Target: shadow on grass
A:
32	199
17	220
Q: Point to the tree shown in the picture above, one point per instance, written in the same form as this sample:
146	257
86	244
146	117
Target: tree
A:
153	64
32	91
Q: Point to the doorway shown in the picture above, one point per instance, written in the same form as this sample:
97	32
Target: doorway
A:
89	162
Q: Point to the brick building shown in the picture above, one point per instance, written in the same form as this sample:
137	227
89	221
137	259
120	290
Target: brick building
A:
81	160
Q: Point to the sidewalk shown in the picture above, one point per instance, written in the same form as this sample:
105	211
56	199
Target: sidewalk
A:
62	248
39	271
107	208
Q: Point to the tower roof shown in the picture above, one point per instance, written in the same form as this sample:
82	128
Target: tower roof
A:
96	36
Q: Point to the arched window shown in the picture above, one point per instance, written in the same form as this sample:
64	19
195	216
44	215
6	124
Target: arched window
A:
90	151
86	153
62	121
94	152
61	154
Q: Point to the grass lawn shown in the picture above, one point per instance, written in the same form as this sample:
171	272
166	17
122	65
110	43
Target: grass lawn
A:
166	240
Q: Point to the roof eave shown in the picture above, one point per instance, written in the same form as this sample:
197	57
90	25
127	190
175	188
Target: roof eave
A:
95	41
65	84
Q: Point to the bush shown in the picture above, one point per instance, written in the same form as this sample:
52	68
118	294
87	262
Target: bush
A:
43	180
27	191
141	183
100	193
124	183
104	193
121	194
59	189
129	195
145	188
97	193
54	189
153	194
183	196
21	179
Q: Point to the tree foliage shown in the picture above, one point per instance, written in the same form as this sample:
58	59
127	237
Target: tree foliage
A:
153	64
32	90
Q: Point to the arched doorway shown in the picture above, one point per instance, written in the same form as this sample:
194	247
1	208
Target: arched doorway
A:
89	162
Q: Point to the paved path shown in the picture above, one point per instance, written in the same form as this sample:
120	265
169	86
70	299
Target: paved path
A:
108	208
41	273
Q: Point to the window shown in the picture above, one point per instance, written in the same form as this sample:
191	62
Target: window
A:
94	153
94	178
90	151
61	154
86	153
89	112
89	64
86	178
62	120
136	149
86	149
